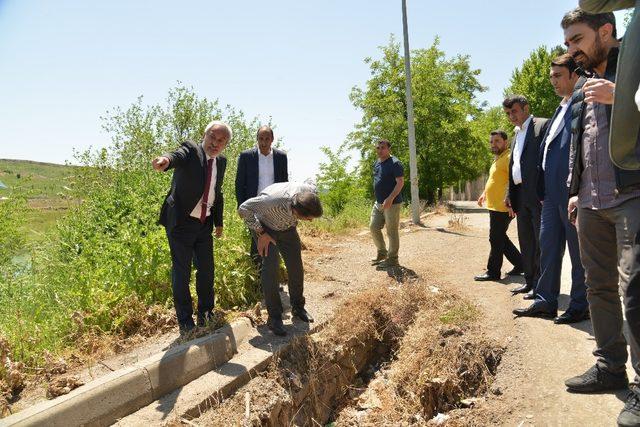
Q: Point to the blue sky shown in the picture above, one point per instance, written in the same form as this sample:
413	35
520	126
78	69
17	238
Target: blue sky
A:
64	63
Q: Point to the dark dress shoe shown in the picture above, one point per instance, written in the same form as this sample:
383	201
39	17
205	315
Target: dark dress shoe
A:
276	326
535	310
521	289
377	260
486	277
205	318
186	328
530	295
302	314
597	379
515	272
571	316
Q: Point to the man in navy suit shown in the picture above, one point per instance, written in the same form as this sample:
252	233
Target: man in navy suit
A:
258	168
522	198
191	209
556	231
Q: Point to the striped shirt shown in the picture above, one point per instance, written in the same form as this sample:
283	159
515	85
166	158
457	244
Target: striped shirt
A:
272	207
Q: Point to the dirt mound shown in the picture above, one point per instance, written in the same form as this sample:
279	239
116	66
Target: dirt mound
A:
364	368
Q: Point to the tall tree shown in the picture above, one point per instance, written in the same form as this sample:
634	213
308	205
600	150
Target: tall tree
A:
445	102
531	79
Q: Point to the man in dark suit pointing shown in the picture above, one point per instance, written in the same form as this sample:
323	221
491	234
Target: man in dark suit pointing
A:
258	168
191	209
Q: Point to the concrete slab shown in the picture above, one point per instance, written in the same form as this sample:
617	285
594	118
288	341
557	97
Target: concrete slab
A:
113	396
99	403
465	206
203	393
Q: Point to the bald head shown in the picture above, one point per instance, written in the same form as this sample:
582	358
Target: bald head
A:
265	139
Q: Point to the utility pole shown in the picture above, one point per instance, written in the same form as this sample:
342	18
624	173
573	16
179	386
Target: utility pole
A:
413	166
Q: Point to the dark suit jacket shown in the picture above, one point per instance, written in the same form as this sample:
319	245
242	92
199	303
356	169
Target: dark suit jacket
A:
247	175
526	192
552	182
187	186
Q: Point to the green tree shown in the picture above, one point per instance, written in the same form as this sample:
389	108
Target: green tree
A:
336	185
445	102
531	79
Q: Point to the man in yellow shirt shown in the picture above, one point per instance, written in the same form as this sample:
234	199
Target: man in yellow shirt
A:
499	215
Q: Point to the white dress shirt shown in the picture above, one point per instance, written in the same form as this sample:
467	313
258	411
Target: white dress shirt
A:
266	175
211	196
555	127
521	134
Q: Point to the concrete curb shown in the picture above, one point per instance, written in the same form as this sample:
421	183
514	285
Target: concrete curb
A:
105	400
209	390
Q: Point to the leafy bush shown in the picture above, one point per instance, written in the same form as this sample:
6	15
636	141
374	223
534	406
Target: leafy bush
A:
109	247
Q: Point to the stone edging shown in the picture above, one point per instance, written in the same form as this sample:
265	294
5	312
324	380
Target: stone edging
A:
104	400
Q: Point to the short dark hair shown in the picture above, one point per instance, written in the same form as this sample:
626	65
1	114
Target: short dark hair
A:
385	141
264	127
593	20
502	134
565	60
515	99
307	204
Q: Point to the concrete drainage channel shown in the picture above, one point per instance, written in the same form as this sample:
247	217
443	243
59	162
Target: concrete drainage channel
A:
388	357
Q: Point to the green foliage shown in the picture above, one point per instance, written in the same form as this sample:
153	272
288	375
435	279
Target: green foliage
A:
355	214
109	248
445	103
335	184
531	79
12	216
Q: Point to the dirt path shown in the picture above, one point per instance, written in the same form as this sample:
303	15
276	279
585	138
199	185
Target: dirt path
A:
540	354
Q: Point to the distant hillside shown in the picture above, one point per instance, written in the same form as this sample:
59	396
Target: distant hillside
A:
37	179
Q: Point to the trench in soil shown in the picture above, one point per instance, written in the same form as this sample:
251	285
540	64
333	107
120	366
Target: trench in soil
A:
389	356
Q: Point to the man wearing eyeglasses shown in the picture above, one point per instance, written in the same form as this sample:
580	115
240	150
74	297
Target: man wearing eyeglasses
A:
191	209
388	180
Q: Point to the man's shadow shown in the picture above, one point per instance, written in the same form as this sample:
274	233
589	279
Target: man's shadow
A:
400	273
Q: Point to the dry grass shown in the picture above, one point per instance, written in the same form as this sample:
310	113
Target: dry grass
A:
441	360
458	221
424	345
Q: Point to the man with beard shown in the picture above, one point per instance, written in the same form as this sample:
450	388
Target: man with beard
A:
556	231
258	168
522	198
499	217
189	213
607	200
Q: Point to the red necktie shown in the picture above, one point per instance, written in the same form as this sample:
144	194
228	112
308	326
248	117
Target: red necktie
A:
205	195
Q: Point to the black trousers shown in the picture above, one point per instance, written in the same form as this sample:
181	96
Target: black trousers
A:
528	218
191	242
501	245
288	244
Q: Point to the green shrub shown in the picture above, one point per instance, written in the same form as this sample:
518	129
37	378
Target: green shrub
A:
109	248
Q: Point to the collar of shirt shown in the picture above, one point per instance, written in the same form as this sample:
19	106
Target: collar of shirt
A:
525	125
268	155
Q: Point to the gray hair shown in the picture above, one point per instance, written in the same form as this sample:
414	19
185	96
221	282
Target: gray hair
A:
219	123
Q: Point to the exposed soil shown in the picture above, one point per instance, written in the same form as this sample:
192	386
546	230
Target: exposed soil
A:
444	256
389	356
